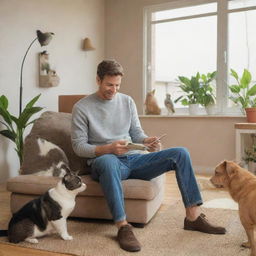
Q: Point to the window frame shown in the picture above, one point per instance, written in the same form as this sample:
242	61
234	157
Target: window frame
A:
222	47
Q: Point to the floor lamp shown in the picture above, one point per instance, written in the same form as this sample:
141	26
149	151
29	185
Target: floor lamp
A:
43	39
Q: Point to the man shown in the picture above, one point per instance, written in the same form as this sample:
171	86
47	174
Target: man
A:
102	123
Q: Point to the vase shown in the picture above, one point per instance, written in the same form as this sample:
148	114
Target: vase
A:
193	109
251	115
210	109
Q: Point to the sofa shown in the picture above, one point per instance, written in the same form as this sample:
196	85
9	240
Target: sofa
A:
142	198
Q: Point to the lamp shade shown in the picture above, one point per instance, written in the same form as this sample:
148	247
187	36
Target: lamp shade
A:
44	38
87	45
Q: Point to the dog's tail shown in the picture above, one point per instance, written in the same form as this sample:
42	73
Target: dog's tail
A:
3	232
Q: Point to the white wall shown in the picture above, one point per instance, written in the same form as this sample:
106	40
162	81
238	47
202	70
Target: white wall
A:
71	21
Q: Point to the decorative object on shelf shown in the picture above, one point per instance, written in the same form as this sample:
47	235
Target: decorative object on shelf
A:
244	94
197	91
47	76
151	105
16	134
193	109
169	104
44	39
87	45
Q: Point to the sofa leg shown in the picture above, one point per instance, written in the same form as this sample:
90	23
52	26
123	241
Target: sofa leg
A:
138	225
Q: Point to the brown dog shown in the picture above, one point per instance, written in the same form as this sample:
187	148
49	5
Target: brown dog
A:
241	185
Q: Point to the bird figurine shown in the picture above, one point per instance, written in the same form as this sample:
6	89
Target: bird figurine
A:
169	104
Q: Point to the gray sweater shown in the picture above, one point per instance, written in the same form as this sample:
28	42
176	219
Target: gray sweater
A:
98	122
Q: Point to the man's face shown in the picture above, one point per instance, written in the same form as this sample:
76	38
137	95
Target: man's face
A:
108	86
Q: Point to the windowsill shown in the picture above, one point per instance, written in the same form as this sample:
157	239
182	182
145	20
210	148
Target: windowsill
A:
192	116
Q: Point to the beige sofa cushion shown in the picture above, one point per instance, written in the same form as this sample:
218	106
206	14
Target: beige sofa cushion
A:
133	188
56	128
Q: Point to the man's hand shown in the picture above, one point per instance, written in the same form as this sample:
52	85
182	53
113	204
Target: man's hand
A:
119	147
153	143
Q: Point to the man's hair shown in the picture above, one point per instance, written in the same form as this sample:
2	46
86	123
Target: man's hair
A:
109	68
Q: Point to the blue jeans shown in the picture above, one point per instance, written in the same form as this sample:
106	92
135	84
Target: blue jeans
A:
110	169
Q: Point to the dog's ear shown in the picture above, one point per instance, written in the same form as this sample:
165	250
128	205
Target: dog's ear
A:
224	164
221	166
231	168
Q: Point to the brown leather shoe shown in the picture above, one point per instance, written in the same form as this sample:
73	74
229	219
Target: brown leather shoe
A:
201	224
127	239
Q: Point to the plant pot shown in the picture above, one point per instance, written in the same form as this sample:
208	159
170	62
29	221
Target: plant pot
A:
210	109
193	109
251	115
252	167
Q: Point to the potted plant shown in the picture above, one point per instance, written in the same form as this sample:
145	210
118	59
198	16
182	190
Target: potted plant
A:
198	90
15	126
243	94
207	95
191	88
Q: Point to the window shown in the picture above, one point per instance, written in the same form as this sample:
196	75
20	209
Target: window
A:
186	37
241	39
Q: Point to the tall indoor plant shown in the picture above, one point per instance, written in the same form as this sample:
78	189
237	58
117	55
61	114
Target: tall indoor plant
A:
14	127
244	94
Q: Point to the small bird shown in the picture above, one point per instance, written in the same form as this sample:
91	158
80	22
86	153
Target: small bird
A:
169	104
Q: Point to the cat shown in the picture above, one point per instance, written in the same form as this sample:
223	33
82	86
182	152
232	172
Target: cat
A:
43	158
151	104
48	213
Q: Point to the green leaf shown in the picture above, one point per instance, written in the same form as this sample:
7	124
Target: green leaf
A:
184	102
4	102
234	74
5	114
33	101
15	119
184	80
234	88
10	135
246	79
185	88
252	91
213	75
195	84
26	115
242	101
178	99
204	78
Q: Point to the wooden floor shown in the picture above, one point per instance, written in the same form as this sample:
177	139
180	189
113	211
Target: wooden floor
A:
172	194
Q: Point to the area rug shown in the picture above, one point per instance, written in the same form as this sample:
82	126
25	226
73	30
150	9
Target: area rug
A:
224	203
163	236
